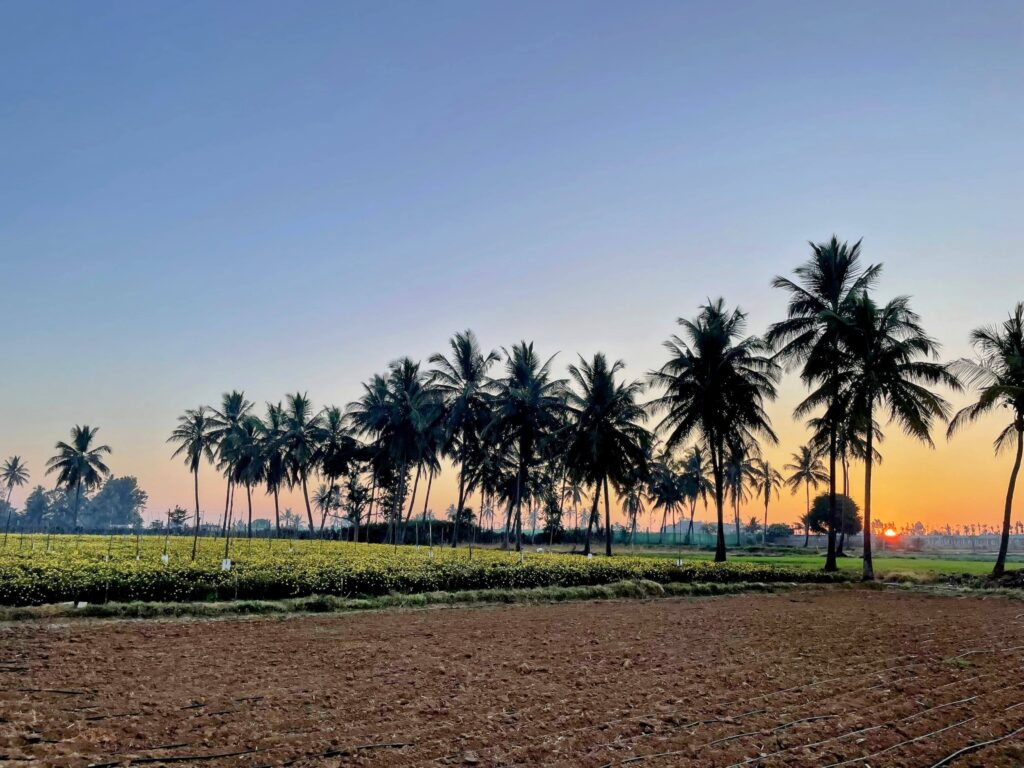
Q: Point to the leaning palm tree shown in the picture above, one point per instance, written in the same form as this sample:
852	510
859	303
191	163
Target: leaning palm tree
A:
299	442
608	441
884	370
805	468
819	300
528	406
196	440
462	383
767	481
79	464
13	474
715	384
997	376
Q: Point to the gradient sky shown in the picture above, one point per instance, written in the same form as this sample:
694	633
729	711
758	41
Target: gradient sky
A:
199	196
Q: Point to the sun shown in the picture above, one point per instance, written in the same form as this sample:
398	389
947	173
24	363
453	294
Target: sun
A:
889	533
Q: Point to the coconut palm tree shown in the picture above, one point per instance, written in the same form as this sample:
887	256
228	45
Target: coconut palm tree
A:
79	464
739	473
275	469
997	376
336	449
528	407
819	299
805	468
607	440
247	455
667	489
234	407
462	383
886	369
715	384
300	445
327	500
13	474
196	439
767	481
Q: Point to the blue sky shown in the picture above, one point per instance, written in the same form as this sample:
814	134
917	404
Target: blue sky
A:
277	196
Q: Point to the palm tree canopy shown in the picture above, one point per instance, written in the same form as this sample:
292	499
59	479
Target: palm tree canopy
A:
13	473
272	431
805	466
80	463
607	439
299	440
195	436
882	349
528	404
997	376
766	479
716	382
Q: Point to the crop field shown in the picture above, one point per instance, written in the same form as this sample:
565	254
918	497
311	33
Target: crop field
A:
40	569
802	678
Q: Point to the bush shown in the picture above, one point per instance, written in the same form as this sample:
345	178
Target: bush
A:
92	569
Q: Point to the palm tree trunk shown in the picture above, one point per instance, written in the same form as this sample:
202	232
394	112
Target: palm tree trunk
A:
689	529
764	529
369	509
593	517
1004	539
10	510
520	482
227	526
195	533
458	508
412	502
248	498
807	527
508	522
830	558
78	496
717	457
309	510
869	568
607	521
842	522
277	512
227	502
736	516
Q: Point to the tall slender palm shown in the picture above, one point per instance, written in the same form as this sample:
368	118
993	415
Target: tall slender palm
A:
667	489
275	468
767	481
884	371
196	439
461	381
739	472
997	376
528	406
234	407
13	474
608	441
716	383
247	460
302	429
696	484
79	464
805	468
820	297
336	449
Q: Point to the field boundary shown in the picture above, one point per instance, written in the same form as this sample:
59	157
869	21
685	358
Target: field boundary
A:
320	604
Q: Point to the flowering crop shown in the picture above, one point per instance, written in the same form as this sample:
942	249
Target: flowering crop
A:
38	569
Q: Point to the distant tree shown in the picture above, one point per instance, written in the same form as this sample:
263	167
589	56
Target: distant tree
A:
13	474
779	531
79	465
176	517
37	508
357	499
805	468
120	502
766	480
753	527
196	436
849	514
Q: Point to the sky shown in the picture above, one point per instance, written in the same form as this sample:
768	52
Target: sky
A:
277	197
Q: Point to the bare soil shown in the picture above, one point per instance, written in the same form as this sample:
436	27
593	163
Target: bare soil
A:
816	678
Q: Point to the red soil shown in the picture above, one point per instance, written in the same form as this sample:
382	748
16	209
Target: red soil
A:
794	679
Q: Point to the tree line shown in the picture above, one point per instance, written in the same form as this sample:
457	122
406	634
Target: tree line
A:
517	433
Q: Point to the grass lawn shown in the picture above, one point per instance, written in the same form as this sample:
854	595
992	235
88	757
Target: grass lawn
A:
925	565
